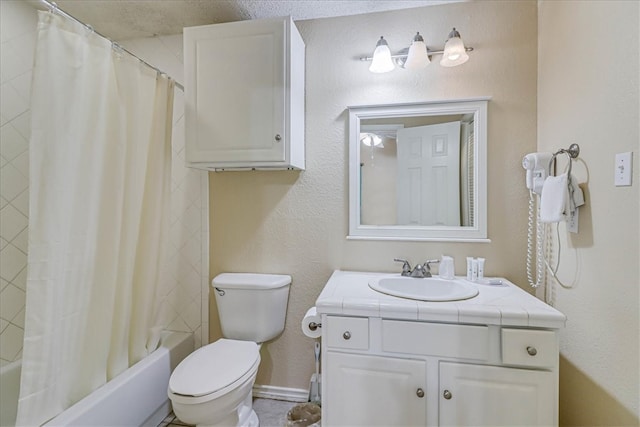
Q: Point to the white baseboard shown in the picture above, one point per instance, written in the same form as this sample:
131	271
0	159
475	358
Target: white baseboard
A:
281	393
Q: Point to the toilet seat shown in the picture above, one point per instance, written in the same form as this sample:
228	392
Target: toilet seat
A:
213	370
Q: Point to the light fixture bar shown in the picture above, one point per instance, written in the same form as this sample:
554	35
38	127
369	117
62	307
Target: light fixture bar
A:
404	55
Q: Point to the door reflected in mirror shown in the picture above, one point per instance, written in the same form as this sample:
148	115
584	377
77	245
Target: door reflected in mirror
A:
417	171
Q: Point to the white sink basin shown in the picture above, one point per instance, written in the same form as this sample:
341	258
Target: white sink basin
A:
426	289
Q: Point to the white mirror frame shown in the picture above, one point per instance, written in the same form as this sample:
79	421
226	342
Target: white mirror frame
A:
475	233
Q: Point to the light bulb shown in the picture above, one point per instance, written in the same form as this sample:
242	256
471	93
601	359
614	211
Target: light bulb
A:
371	140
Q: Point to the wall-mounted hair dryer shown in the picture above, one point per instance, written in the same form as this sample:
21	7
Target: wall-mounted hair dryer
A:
537	166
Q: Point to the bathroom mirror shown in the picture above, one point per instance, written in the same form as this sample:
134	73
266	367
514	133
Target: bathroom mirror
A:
418	171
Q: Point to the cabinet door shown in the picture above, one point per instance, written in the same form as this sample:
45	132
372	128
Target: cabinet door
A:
235	92
475	395
374	391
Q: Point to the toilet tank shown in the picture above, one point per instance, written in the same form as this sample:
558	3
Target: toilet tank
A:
252	307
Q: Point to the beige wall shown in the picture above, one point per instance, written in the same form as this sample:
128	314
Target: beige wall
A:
296	222
588	78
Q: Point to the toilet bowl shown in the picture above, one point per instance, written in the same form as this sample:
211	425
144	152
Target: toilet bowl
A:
213	385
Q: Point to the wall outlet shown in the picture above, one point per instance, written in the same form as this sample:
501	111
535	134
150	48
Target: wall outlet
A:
623	169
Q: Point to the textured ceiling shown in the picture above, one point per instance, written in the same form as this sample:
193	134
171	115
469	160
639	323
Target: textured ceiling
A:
125	19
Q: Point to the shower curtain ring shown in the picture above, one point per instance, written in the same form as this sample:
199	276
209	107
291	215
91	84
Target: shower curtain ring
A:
119	51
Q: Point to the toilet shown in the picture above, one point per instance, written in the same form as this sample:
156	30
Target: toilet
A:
213	385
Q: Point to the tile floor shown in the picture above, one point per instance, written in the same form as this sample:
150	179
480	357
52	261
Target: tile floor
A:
271	413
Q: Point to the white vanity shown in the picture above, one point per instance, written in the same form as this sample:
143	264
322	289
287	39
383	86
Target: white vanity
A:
387	361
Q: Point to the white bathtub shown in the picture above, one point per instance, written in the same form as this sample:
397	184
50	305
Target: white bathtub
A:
9	390
137	397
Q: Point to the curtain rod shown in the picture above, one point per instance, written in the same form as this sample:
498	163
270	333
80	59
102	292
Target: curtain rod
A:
53	8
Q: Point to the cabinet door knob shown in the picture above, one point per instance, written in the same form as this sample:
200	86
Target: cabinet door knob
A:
420	393
346	335
532	351
278	137
447	394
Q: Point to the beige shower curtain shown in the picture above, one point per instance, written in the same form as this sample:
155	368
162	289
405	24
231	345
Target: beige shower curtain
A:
99	192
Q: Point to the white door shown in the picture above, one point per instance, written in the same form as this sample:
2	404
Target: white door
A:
429	175
476	395
235	91
374	391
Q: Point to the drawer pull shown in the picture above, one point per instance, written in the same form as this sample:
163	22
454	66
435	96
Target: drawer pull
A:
447	395
346	335
532	351
278	137
420	393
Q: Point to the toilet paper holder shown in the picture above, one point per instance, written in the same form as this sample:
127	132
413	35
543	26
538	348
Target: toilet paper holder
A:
314	325
311	322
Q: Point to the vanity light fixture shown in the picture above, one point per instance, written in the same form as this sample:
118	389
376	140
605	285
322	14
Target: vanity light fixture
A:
454	51
381	61
371	140
417	55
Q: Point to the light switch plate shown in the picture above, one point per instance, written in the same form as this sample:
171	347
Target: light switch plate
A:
623	169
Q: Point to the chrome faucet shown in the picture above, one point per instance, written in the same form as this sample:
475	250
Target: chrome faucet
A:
419	271
406	267
424	270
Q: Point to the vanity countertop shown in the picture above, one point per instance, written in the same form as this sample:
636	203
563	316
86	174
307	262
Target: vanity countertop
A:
348	293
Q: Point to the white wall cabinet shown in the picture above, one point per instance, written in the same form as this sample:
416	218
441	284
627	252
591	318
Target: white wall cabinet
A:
408	373
244	95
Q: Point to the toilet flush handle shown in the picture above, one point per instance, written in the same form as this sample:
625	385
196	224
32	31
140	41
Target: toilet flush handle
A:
220	291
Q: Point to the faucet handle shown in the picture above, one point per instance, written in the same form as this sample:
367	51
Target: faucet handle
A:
427	264
406	267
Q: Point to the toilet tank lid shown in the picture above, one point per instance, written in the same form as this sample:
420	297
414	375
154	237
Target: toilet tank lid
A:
250	281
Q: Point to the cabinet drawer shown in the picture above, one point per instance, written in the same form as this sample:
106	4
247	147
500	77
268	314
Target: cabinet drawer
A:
436	339
348	332
526	347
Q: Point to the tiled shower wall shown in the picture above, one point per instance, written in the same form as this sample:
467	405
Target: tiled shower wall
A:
186	276
17	38
184	285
